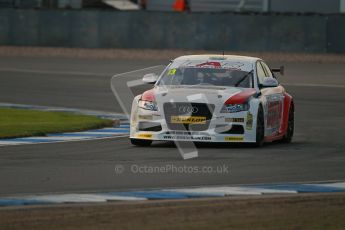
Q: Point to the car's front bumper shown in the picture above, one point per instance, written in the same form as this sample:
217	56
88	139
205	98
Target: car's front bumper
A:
220	128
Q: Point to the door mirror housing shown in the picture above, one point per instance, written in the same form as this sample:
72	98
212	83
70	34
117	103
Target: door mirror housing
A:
150	78
269	82
281	70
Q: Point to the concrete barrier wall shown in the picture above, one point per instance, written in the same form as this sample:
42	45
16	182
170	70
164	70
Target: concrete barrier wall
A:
306	6
114	29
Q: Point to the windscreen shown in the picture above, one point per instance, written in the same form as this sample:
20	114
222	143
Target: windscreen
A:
208	73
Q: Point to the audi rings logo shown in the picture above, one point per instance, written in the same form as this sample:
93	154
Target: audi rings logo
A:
188	109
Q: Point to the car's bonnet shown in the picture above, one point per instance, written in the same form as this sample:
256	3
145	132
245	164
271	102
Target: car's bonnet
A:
210	94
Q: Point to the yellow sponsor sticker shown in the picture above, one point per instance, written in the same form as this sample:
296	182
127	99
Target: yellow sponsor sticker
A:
233	139
234	120
249	123
188	120
145	135
172	72
146	117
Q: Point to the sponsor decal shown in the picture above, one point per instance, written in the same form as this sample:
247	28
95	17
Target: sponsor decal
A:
249	122
234	120
187	120
230	139
218	58
187	137
221	64
144	135
172	72
213	64
146	117
197	87
188	109
218	64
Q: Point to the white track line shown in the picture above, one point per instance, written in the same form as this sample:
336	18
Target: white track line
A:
230	191
80	198
55	142
94	133
340	185
4	143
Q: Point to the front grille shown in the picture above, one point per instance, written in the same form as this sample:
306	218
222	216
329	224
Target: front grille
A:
179	109
235	129
150	126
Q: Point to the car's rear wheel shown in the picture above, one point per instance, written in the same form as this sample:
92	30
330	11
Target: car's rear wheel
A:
291	126
260	128
140	142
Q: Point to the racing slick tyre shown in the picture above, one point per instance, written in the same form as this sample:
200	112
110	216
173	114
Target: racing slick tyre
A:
260	128
291	126
139	142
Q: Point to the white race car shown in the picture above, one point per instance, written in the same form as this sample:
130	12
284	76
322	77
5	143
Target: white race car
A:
213	98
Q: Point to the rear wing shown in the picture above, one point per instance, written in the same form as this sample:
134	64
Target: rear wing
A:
281	70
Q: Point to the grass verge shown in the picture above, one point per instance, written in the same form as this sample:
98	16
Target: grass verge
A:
24	123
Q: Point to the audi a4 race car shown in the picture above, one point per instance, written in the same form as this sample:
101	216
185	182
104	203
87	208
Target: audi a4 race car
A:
213	98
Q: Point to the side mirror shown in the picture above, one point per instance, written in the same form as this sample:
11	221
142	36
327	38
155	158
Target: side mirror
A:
150	78
281	70
269	82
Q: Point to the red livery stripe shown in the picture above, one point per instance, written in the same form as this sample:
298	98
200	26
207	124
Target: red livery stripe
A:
241	97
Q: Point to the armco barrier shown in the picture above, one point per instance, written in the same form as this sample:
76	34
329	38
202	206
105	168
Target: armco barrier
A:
223	31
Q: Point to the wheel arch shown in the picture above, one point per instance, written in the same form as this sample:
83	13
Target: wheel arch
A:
260	139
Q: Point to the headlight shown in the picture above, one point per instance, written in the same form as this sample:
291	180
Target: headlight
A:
235	108
148	105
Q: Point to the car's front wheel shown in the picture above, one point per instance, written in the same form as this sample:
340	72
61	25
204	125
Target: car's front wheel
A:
260	128
140	142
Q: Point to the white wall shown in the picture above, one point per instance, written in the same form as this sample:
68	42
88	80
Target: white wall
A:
342	6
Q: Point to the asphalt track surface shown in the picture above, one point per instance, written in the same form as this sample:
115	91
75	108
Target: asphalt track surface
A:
316	154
